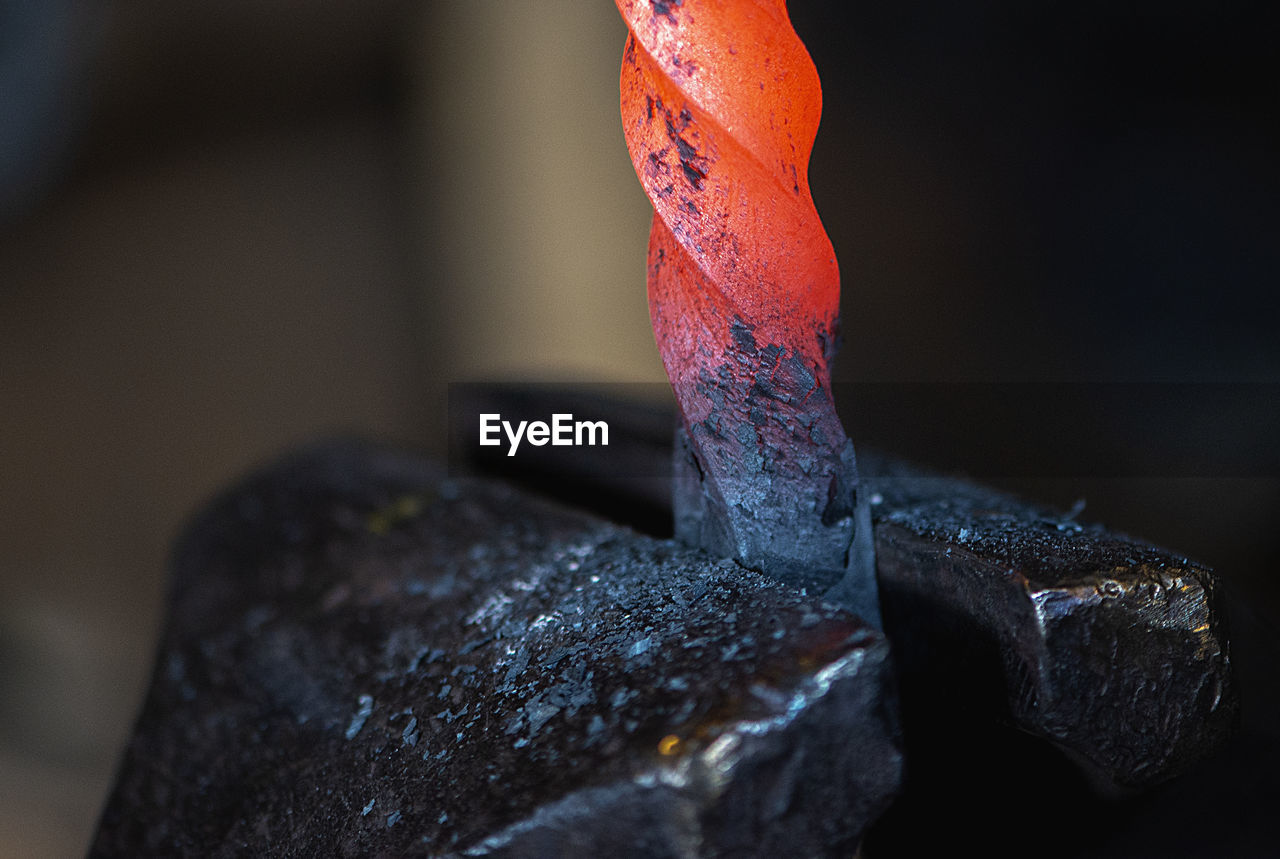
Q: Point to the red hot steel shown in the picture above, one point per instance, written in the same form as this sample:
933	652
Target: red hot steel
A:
720	107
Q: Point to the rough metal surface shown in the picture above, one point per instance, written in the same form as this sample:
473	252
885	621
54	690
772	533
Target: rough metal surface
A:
363	658
820	540
1002	610
1113	649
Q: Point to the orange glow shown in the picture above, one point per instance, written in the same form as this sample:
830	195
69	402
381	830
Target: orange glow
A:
720	106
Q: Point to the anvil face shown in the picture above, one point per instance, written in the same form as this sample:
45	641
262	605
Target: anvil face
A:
366	658
1111	648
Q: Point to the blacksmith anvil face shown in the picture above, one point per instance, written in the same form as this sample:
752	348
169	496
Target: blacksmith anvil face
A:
366	656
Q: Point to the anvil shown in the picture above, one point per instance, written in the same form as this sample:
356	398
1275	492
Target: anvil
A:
1111	648
364	656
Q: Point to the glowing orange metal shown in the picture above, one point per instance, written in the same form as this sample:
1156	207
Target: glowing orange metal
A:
720	107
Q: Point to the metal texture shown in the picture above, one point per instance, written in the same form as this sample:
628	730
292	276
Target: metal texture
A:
720	107
1000	610
1111	648
365	658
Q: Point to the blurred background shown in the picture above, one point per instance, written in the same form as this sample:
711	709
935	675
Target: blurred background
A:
229	228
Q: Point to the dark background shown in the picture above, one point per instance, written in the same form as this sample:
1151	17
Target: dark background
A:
224	230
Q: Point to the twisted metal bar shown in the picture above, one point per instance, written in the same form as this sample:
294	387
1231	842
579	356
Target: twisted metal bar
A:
720	107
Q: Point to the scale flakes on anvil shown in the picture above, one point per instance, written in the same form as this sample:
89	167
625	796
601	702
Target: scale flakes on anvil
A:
720	107
365	658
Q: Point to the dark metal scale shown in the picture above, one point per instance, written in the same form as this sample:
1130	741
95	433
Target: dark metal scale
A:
366	656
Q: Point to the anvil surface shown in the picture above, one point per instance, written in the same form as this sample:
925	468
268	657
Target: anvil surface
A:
1111	648
363	657
366	657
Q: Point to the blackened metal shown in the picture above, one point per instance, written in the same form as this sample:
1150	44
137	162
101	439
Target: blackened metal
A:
1113	649
768	477
792	511
365	658
771	519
